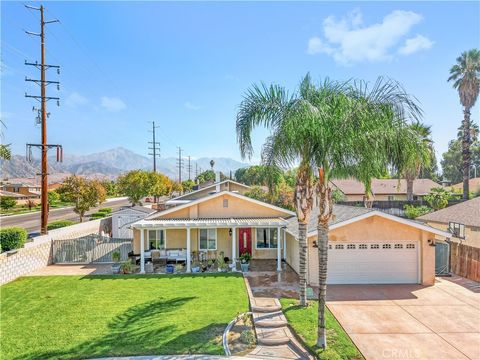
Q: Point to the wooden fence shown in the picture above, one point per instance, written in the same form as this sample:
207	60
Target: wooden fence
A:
465	261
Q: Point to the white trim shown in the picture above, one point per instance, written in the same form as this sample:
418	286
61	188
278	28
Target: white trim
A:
216	239
208	223
389	217
206	198
211	186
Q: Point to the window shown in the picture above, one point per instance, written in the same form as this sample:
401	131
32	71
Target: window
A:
267	238
156	239
391	198
225	203
398	246
351	246
208	239
386	246
374	246
362	246
410	246
458	230
339	247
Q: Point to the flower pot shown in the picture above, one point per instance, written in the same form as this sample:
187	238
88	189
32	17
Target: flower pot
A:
115	268
195	269
244	266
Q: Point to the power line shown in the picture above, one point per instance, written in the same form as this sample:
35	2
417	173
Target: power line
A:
155	147
180	164
189	168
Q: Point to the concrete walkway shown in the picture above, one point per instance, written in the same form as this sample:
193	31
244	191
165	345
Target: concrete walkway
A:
275	340
175	357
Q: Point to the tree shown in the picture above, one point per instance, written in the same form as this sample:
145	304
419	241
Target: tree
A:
452	159
31	203
83	193
135	184
160	185
340	130
465	75
438	198
110	187
420	159
53	197
5	152
7	202
188	185
208	175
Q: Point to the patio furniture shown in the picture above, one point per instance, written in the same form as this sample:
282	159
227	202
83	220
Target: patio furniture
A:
177	255
149	268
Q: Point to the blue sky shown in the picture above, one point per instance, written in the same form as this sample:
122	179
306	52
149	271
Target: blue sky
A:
186	65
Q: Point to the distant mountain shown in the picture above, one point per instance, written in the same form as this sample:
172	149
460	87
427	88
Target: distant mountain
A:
110	164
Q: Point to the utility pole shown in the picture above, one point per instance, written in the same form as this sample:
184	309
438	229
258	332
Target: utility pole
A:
154	153
189	168
43	98
180	164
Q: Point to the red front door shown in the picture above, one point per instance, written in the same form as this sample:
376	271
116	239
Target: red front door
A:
245	240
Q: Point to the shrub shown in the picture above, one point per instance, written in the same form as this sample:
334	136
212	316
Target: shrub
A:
412	212
12	238
97	215
59	224
438	198
105	210
247	337
7	202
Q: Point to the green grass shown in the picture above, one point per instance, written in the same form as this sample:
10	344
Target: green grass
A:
304	321
72	317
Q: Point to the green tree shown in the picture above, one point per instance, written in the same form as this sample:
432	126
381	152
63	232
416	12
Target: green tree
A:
188	185
257	193
339	130
53	197
135	184
465	75
83	193
209	175
159	184
5	152
438	198
7	202
110	187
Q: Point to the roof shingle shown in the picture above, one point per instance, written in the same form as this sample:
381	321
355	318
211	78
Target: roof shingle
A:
467	213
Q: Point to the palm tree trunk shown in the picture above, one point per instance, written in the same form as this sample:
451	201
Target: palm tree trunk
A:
322	230
466	153
409	188
302	244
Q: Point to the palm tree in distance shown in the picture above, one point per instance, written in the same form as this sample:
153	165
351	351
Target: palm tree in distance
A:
465	75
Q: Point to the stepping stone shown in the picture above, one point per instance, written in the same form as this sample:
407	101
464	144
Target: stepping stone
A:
266	309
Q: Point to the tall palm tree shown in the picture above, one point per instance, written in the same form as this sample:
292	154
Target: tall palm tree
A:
421	159
338	130
465	75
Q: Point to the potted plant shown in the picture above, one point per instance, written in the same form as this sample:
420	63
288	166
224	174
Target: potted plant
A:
116	262
178	268
221	264
195	267
245	261
126	267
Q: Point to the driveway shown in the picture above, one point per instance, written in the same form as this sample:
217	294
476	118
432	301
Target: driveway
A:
411	321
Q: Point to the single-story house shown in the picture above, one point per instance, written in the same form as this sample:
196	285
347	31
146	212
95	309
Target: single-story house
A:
366	246
473	185
462	220
384	189
21	199
121	220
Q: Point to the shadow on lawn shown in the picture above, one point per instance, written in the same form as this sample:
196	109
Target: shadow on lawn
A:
132	333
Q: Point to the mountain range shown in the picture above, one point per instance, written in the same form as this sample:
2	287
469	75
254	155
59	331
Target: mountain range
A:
110	164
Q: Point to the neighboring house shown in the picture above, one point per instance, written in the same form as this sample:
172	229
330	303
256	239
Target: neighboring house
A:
226	185
20	198
473	185
366	246
32	191
462	220
121	220
384	189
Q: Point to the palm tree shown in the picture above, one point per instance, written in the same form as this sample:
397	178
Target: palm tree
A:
342	130
465	75
421	159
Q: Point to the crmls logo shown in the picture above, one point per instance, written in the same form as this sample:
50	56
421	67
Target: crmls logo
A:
400	354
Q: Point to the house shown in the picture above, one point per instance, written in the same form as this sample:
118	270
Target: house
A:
226	185
366	247
473	185
30	190
462	219
20	198
121	220
384	189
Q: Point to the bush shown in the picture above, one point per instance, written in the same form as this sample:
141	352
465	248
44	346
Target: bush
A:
105	210
12	238
97	215
7	202
412	212
59	224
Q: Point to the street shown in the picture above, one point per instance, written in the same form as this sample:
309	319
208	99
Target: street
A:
31	221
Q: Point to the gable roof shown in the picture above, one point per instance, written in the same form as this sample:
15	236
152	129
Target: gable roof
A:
384	186
344	215
467	213
141	209
213	185
212	196
474	184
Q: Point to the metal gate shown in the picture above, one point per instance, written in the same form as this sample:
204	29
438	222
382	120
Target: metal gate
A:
442	258
90	249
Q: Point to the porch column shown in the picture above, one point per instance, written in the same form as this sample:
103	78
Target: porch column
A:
142	251
279	250
188	250
234	244
284	243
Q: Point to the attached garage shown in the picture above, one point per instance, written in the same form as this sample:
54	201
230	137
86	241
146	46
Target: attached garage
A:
371	247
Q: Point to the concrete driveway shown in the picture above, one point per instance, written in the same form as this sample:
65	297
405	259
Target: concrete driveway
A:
411	321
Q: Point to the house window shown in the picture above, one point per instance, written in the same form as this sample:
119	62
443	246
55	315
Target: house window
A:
458	230
391	198
374	246
208	239
339	247
225	203
156	239
267	238
387	246
398	246
351	246
362	246
410	246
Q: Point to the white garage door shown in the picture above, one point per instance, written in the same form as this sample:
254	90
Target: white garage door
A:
369	263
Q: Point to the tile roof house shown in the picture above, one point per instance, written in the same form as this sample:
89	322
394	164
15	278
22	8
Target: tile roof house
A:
384	189
473	184
463	219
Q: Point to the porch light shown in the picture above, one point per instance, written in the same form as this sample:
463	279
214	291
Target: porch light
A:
230	232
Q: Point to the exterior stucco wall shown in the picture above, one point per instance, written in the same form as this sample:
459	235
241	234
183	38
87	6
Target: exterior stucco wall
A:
472	234
292	253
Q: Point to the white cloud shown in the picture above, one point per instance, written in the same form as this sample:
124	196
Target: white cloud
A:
415	44
191	106
75	99
349	40
112	103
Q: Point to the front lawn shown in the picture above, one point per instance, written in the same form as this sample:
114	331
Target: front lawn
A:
304	321
67	317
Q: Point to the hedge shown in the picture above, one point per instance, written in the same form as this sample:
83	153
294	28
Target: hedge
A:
59	224
105	210
98	215
12	238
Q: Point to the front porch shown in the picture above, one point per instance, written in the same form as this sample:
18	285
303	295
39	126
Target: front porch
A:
199	242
